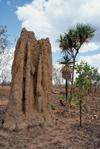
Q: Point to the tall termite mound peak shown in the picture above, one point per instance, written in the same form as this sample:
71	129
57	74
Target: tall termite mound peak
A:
30	94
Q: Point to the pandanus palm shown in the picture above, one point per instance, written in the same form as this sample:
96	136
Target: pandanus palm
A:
66	70
72	41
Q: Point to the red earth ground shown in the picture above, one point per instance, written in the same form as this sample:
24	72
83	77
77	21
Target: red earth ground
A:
65	134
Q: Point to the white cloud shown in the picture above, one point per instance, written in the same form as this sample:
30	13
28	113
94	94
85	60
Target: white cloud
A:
50	18
93	60
58	66
8	3
89	47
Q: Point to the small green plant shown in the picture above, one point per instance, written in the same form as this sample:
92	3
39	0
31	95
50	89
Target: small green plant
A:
63	96
69	98
3	89
52	106
81	83
98	99
85	106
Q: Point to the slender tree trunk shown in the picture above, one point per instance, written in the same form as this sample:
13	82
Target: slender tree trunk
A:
81	106
80	111
66	89
73	76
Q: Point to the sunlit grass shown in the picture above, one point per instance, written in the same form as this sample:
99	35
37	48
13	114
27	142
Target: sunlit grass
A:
5	88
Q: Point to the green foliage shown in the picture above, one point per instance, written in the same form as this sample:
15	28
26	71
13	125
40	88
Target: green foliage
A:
3	89
82	70
69	98
3	38
72	40
95	76
66	60
77	98
85	106
84	32
75	37
98	99
82	83
52	106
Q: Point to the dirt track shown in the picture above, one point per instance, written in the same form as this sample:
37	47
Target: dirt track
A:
66	134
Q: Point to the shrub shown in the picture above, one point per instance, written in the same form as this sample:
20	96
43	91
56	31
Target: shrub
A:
52	106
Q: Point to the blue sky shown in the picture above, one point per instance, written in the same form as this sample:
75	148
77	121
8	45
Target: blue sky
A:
49	19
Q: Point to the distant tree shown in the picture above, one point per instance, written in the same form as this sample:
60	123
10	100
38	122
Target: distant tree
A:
4	77
72	41
4	42
6	59
6	55
57	77
95	76
66	61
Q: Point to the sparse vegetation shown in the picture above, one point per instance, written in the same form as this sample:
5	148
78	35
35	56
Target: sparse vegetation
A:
64	120
71	41
82	83
52	106
95	76
66	117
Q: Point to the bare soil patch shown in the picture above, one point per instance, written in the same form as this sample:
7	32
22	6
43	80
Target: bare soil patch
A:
66	134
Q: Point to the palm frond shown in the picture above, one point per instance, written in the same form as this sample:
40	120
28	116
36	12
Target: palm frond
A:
84	32
66	60
76	37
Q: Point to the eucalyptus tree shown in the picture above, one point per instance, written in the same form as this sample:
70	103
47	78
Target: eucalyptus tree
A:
4	42
72	41
95	76
57	77
6	56
66	70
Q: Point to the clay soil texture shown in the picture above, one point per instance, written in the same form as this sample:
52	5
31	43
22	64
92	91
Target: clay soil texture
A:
65	134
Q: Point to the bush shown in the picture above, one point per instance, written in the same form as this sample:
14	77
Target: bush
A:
52	106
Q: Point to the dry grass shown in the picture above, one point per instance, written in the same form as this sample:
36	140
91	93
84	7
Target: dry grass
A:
5	87
58	90
65	134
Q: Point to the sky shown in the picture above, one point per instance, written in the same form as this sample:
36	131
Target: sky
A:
50	18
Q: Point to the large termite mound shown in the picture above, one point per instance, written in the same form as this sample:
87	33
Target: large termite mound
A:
31	84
